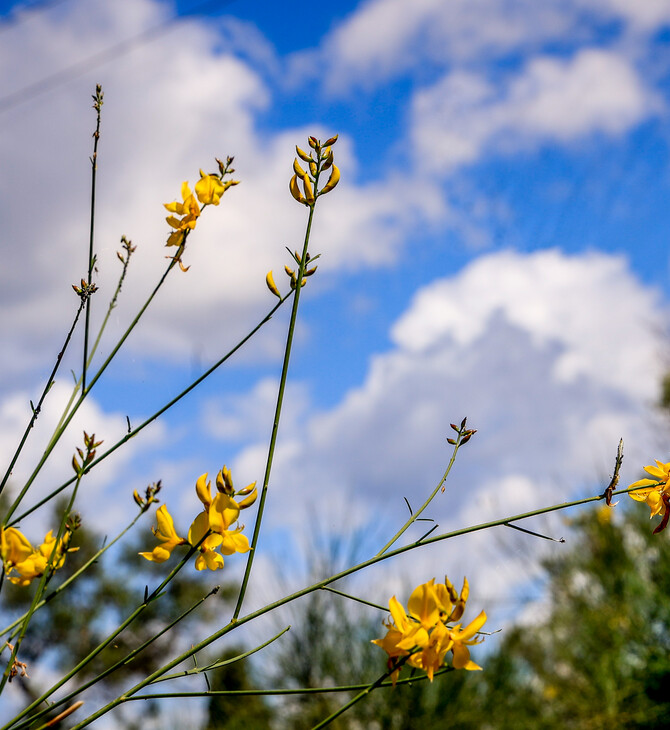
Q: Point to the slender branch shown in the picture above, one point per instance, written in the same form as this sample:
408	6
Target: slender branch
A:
284	691
160	411
323	583
355	598
127	245
121	662
153	596
222	662
97	105
275	423
415	515
36	409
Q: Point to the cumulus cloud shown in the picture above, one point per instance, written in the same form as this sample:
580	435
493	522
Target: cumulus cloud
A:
170	107
99	499
526	347
465	115
385	39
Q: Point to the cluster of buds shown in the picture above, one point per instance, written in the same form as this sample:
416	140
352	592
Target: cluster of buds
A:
149	496
18	669
128	248
464	434
208	191
211	530
87	456
292	274
318	161
84	290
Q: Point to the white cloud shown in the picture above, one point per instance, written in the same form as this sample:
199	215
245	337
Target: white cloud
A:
170	107
464	115
552	357
538	295
99	495
385	38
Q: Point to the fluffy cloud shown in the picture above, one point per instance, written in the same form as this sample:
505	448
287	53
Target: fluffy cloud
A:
170	107
384	39
464	115
99	503
553	358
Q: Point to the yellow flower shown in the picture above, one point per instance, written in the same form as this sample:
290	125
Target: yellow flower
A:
208	557
166	533
14	546
23	563
189	210
209	189
655	492
210	529
425	636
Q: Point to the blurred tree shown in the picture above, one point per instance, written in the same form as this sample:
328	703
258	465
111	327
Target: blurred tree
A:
600	657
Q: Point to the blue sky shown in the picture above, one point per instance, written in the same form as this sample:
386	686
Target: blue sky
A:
496	248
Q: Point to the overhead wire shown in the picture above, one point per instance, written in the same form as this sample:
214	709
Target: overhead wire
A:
80	68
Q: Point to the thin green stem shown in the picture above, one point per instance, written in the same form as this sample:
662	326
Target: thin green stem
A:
233	624
36	409
121	662
160	411
275	423
354	598
222	662
59	432
94	558
415	515
91	260
112	304
153	596
283	691
46	575
361	695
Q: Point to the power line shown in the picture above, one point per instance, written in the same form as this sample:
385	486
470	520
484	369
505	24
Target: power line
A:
69	73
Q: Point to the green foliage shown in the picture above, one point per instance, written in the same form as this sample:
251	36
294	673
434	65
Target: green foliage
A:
600	657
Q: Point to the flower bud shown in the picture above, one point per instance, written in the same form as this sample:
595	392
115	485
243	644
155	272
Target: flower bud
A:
332	180
295	190
297	169
309	193
269	280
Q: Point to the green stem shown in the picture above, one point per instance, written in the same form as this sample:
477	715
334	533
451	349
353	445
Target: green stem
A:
414	516
283	691
48	572
321	584
92	654
223	662
361	695
275	423
40	402
94	173
59	432
94	349
125	660
94	558
159	412
354	598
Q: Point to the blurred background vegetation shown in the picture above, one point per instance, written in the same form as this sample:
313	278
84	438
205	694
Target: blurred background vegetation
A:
595	655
